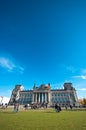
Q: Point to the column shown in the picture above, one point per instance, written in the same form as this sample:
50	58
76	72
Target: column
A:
33	98
36	98
49	97
42	98
45	97
39	97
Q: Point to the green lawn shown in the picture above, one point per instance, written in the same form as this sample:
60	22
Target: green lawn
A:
42	120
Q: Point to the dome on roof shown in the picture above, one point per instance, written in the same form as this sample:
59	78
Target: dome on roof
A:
43	86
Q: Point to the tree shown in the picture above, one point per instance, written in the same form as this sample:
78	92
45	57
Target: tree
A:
83	101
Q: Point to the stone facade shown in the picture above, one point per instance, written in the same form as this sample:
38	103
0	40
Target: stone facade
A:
44	94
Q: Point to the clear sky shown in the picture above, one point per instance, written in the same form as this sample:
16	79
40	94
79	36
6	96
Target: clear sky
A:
42	41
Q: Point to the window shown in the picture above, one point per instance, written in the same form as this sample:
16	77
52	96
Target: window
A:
71	94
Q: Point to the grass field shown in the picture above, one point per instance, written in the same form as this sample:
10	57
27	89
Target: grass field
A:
42	120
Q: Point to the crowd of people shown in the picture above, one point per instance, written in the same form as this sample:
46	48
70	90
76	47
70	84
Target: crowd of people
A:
36	106
3	106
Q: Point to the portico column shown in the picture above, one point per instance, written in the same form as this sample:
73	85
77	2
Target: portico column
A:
42	98
49	97
33	98
45	97
39	97
36	98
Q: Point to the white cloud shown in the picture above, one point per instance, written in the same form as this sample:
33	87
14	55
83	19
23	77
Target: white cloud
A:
82	89
80	76
10	66
4	100
6	63
83	76
21	69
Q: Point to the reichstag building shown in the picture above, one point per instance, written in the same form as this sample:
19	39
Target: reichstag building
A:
44	94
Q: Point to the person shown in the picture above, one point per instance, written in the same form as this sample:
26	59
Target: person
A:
66	107
46	105
71	107
16	107
26	106
57	108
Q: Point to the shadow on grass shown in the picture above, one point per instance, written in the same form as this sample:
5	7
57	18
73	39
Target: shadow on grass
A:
8	112
49	112
75	110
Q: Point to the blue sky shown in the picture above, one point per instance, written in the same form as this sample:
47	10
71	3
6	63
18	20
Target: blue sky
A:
42	41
